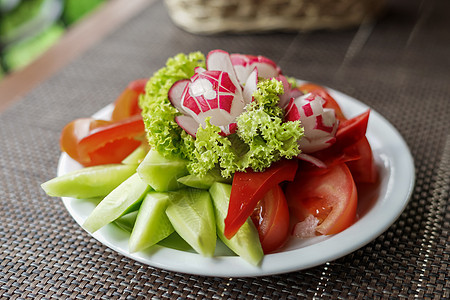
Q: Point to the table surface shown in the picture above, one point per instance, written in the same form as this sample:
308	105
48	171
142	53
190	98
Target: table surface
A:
399	65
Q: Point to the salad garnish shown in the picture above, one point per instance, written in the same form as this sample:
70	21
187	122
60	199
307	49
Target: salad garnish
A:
219	146
221	119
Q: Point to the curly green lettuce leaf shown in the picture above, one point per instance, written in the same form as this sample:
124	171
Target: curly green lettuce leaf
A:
263	129
163	133
210	150
262	137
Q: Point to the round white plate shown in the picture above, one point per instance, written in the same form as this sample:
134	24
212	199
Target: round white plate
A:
376	214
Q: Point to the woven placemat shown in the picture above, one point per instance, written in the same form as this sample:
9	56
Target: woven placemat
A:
399	66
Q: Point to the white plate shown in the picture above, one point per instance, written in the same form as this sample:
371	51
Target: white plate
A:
396	168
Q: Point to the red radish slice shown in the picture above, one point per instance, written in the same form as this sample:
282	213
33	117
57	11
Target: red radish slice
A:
176	93
213	94
227	130
199	70
311	159
284	98
244	65
188	124
319	123
250	86
220	60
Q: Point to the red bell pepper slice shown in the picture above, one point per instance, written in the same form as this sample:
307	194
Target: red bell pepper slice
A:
250	187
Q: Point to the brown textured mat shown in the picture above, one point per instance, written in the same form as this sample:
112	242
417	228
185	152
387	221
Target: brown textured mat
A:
400	66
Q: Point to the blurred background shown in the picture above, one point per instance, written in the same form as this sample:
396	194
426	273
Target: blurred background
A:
30	27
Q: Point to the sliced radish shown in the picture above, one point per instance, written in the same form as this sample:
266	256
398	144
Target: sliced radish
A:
176	93
250	86
313	160
188	124
320	124
199	70
244	65
286	97
220	60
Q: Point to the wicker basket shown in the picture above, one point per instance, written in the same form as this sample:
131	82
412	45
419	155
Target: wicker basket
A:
215	16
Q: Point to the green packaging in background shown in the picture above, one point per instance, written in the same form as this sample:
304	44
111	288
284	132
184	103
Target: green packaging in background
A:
30	27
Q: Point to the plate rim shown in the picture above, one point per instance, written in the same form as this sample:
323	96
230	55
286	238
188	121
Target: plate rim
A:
277	263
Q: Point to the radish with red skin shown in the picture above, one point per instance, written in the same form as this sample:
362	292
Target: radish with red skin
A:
319	123
244	65
176	92
250	86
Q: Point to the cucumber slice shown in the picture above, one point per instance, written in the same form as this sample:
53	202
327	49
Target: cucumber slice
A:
137	156
120	201
152	224
204	182
89	182
245	242
126	222
162	173
191	213
173	241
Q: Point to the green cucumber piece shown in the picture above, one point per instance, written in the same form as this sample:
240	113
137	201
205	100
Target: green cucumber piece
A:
162	173
137	156
245	242
122	200
152	224
203	182
191	213
126	222
89	182
173	241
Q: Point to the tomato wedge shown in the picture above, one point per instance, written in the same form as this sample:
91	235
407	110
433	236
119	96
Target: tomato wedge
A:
271	218
250	187
330	197
322	92
127	104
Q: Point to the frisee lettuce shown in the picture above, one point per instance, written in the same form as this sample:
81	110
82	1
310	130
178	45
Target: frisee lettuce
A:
262	137
163	133
263	129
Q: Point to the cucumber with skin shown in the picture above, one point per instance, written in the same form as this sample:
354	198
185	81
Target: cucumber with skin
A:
173	241
191	213
90	182
137	156
245	242
204	182
162	173
123	199
152	224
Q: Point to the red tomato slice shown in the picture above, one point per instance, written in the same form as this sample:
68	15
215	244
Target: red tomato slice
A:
363	169
109	135
127	104
271	218
250	187
74	132
322	92
330	197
